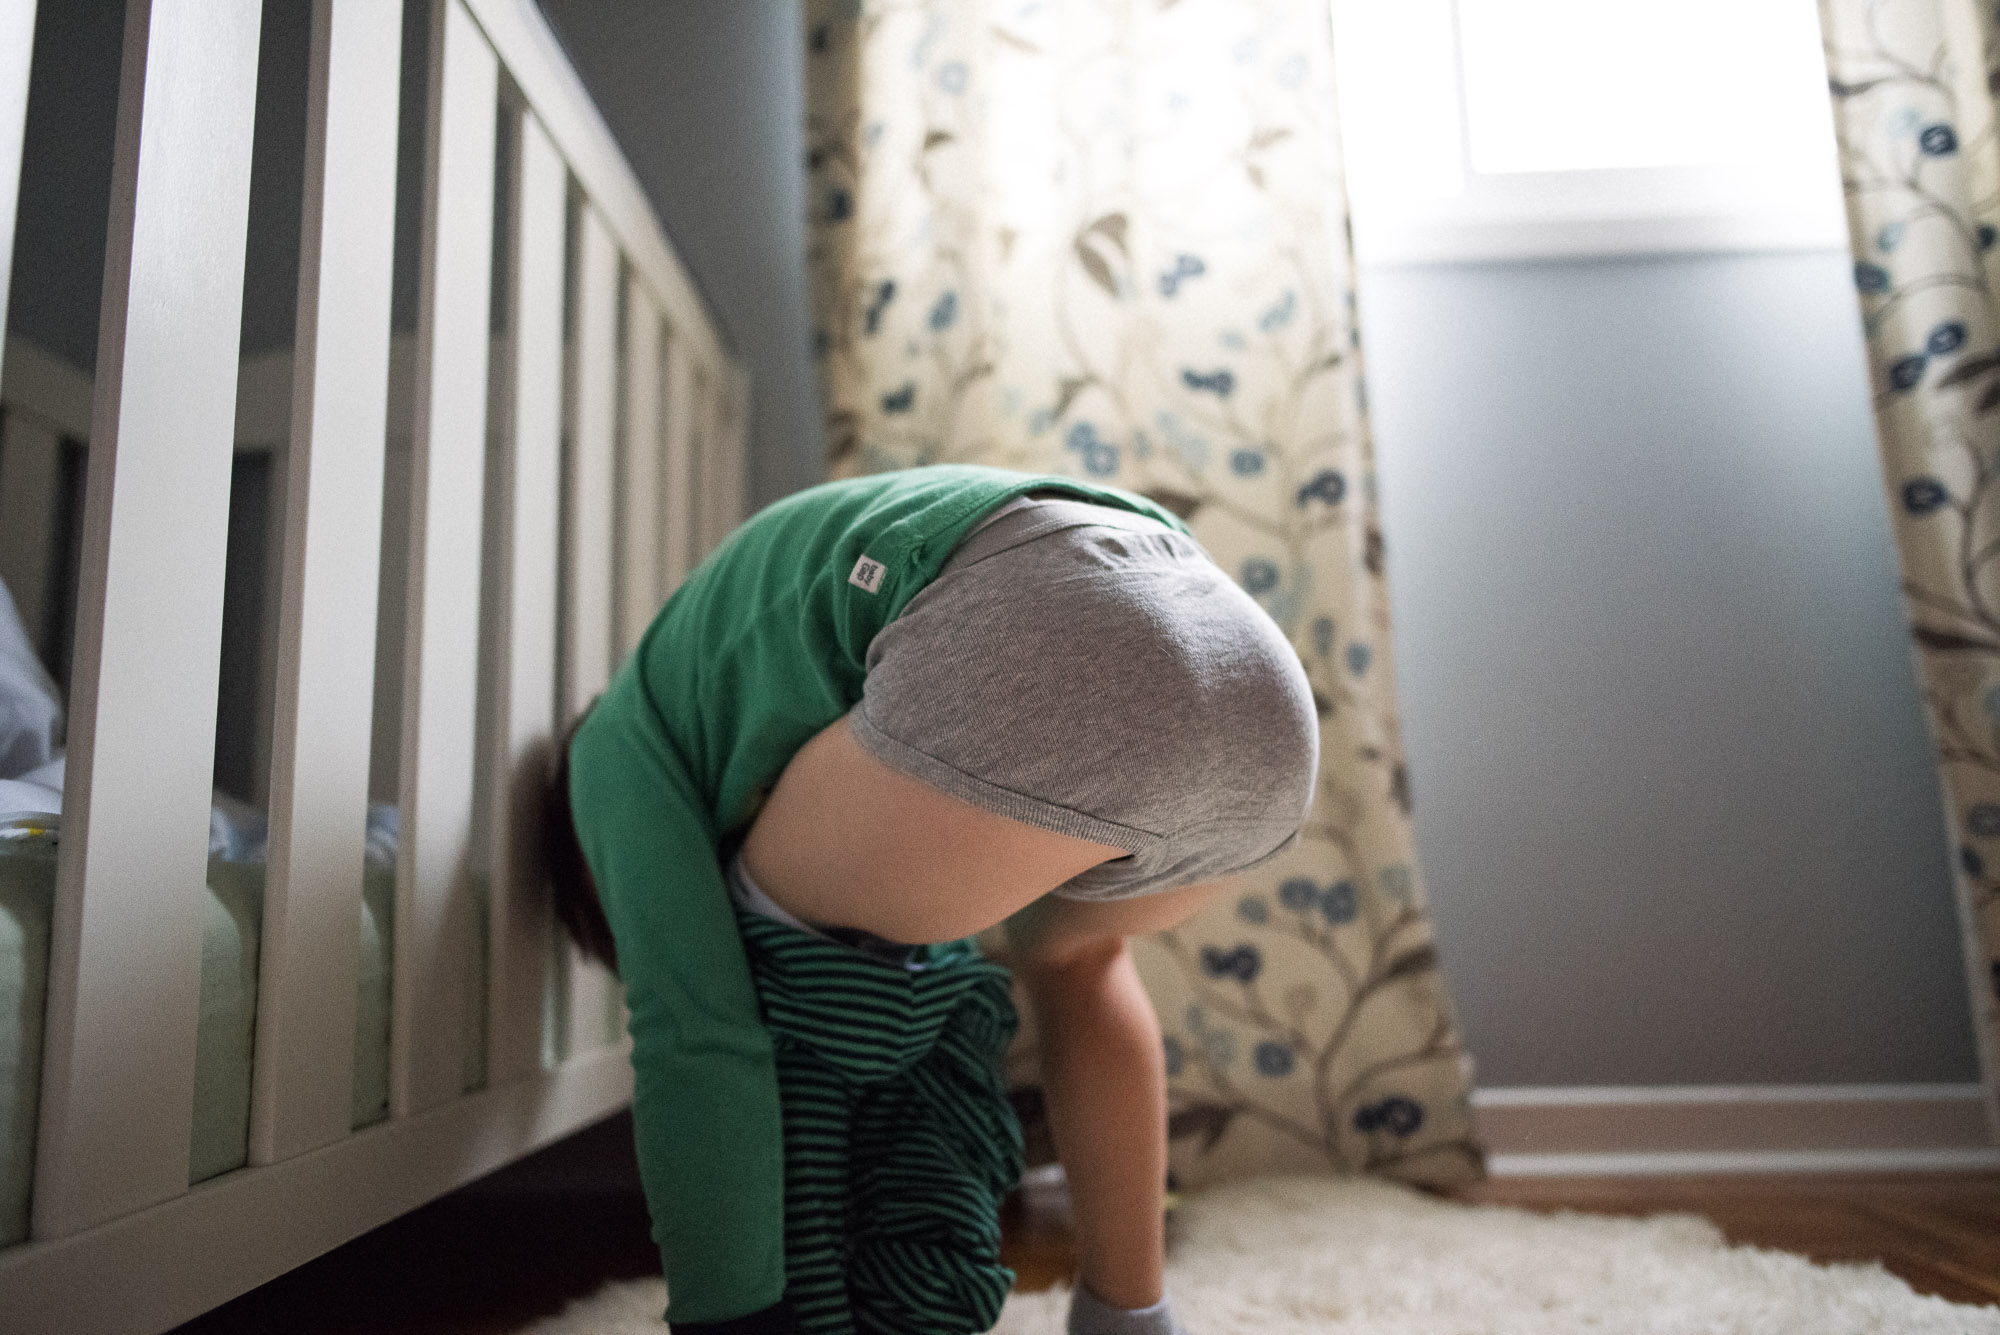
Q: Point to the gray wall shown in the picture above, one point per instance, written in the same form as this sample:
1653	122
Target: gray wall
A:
707	99
1674	795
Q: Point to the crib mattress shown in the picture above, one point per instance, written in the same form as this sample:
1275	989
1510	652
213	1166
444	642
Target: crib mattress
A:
232	911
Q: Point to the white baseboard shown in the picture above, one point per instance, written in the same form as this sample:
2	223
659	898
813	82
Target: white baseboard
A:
1621	1130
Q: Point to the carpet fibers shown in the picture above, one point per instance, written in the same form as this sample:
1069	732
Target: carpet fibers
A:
1282	1256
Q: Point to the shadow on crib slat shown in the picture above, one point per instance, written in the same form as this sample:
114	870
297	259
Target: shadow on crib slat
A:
484	1260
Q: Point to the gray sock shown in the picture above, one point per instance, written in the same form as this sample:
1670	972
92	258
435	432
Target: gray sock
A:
1091	1315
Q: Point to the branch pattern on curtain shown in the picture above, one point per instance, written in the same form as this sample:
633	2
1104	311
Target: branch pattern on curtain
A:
1914	85
1108	237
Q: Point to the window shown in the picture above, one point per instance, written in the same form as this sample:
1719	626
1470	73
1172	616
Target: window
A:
1479	129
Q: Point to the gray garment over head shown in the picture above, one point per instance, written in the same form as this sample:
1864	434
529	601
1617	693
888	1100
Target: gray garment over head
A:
1093	672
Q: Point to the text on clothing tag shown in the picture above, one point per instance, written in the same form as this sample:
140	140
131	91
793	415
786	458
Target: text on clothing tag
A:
867	574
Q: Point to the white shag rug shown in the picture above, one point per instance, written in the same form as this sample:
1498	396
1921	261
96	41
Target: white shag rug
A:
1284	1256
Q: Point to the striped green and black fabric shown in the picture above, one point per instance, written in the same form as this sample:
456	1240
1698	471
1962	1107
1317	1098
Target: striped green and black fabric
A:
899	1139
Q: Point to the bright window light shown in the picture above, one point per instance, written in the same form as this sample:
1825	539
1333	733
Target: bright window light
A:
1478	129
1395	65
1572	85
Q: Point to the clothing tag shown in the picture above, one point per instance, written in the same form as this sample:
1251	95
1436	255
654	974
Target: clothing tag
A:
867	575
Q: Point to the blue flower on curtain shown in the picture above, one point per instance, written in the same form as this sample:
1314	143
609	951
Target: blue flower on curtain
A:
1327	486
1241	963
1922	495
1099	457
1397	1115
1279	315
1185	267
1220	382
1274	1059
1338	903
1947	338
885	292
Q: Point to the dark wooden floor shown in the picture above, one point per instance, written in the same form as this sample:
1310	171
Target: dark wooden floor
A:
492	1258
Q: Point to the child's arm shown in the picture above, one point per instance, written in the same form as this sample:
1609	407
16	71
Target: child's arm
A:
705	1107
1104	1077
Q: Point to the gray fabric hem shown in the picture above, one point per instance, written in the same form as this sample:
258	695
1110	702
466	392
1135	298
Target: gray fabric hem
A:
1082	890
975	791
971	553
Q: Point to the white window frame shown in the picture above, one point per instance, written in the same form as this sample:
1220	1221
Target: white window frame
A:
1634	211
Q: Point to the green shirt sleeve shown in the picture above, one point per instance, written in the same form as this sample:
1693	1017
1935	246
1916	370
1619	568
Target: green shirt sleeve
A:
705	1107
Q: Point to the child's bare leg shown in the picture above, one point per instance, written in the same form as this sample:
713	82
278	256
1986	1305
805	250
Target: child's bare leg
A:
1107	1108
1104	1077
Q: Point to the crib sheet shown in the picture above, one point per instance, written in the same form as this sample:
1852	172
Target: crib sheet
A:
232	911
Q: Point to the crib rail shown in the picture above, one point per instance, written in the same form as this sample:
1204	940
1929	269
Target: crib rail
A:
567	469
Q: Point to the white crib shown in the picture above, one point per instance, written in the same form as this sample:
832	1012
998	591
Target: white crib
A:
566	469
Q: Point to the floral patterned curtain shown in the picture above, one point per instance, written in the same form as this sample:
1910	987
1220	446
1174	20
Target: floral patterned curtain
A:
1914	85
1108	237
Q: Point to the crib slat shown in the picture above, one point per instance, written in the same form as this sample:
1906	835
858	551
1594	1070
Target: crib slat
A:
639	591
720	425
434	923
587	643
530	478
677	529
125	957
17	41
733	484
708	526
303	1077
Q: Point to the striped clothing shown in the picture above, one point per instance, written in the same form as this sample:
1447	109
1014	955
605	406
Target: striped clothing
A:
899	1139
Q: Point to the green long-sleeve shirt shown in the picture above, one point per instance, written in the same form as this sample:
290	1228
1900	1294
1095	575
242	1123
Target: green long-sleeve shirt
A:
761	648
